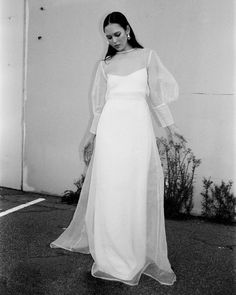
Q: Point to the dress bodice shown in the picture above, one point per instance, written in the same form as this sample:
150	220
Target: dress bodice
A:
133	85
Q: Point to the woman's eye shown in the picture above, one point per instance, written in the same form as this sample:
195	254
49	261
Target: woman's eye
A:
116	35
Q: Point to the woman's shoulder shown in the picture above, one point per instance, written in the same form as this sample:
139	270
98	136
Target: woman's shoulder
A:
148	49
149	52
144	50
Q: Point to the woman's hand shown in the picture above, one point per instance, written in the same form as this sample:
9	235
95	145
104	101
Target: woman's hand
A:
173	132
88	148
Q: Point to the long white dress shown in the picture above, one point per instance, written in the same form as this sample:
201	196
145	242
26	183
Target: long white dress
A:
119	218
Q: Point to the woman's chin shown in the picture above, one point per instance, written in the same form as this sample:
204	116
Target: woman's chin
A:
118	48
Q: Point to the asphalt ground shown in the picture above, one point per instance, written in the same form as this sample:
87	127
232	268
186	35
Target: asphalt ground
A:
201	253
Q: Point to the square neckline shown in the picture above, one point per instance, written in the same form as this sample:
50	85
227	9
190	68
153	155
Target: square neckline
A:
143	68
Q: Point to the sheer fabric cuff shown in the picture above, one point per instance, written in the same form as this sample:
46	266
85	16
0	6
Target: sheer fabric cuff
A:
93	128
164	115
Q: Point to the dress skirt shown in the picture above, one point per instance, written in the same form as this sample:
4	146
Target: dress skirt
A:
119	218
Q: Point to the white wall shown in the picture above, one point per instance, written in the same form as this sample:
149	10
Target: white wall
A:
11	91
194	40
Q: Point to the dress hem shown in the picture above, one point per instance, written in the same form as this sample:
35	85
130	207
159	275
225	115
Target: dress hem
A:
142	272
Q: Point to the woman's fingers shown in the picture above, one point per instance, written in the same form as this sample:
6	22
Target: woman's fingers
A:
88	150
180	136
170	138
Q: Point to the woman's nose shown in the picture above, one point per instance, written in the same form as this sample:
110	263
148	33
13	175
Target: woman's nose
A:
114	39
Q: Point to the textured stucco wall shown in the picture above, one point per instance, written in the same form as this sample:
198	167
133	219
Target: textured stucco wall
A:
11	91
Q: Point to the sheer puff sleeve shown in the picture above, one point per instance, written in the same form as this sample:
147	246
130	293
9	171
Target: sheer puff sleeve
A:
163	89
98	95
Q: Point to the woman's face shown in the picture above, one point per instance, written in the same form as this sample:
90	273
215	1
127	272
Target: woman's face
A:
117	36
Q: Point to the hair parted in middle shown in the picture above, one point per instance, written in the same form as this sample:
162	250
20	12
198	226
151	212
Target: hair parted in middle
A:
117	17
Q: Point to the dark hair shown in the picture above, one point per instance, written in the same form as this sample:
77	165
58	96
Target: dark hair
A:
117	17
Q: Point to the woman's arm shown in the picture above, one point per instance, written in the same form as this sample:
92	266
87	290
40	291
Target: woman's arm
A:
163	89
98	96
98	101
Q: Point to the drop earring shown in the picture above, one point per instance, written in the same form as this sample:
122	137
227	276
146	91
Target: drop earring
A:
128	36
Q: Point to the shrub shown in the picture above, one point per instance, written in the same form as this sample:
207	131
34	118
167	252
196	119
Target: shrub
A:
218	202
71	197
179	165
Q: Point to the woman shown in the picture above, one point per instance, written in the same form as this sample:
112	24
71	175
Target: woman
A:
119	219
